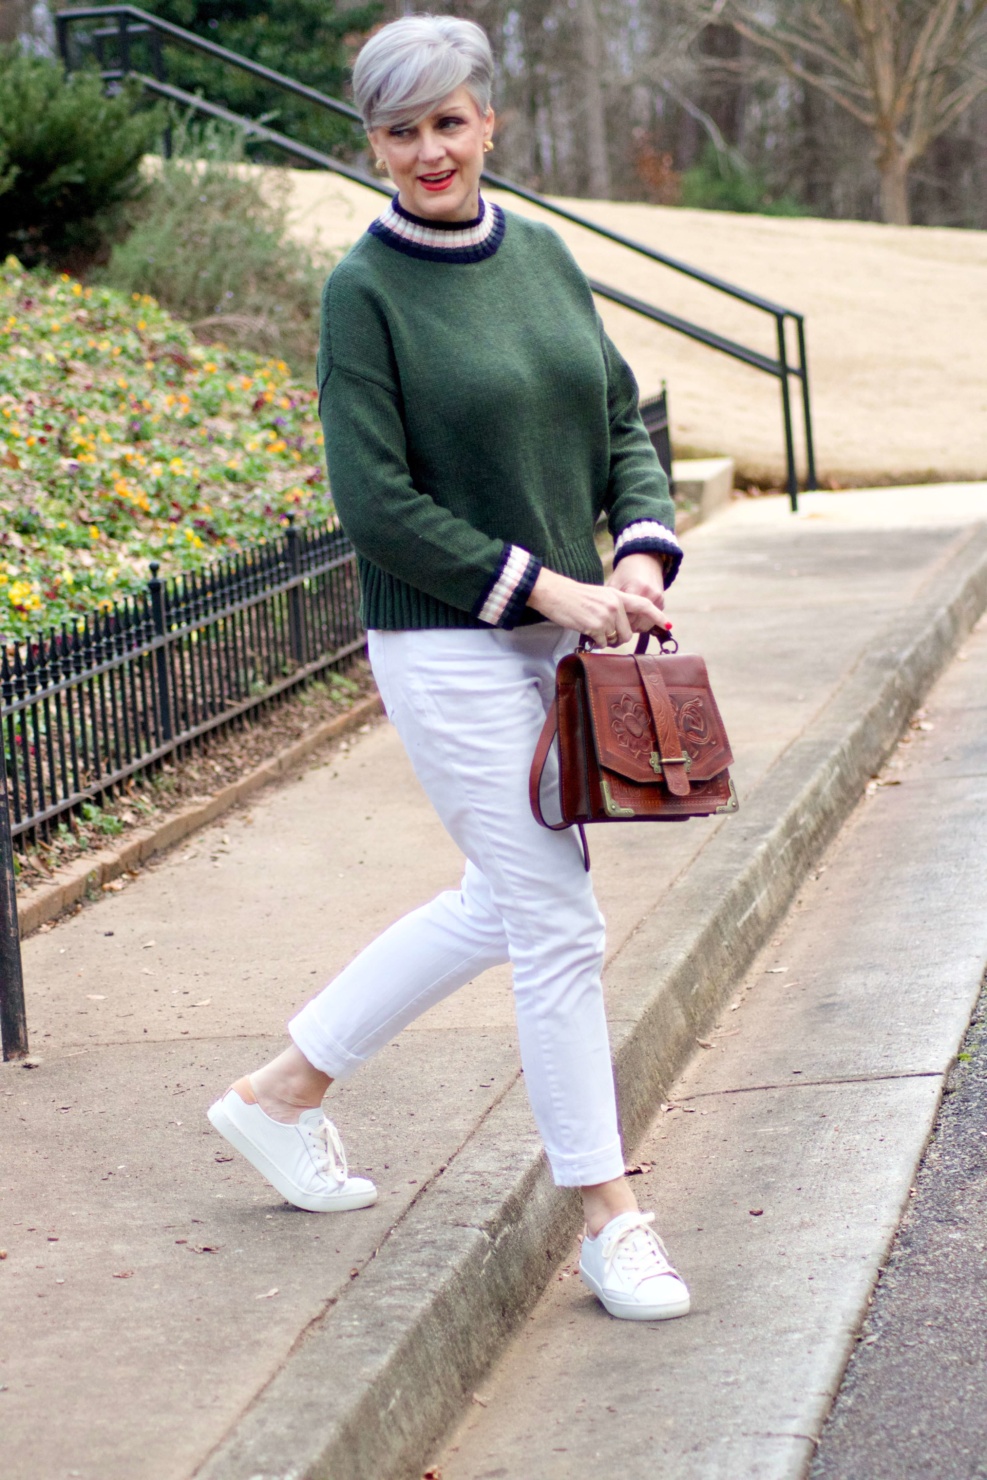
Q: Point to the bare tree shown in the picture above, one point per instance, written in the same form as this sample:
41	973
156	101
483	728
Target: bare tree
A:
905	69
30	23
594	118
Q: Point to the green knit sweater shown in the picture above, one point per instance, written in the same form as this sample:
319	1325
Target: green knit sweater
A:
477	419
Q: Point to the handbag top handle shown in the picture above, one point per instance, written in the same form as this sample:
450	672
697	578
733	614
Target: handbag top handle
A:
663	636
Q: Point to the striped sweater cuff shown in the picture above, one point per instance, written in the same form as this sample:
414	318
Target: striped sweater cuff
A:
503	601
648	537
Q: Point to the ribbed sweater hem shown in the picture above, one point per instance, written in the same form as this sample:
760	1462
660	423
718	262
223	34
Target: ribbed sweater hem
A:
392	605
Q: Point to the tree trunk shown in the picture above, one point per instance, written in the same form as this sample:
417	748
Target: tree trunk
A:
13	16
593	111
894	187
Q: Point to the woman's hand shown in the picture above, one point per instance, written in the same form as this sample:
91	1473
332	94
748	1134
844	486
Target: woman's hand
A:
641	575
607	614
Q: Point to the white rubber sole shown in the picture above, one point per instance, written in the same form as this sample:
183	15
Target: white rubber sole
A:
632	1310
340	1202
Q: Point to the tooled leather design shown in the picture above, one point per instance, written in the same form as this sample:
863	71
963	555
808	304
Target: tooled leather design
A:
631	726
693	723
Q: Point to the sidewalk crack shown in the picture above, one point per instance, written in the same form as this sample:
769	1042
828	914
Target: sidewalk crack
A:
749	1089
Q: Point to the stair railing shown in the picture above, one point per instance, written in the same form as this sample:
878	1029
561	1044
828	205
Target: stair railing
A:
132	24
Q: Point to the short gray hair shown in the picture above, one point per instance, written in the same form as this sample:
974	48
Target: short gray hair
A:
410	65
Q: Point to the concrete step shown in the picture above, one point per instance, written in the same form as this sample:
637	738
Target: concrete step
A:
703	485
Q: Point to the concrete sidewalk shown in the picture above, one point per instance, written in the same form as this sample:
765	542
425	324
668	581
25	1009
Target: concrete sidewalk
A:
779	1173
143	1286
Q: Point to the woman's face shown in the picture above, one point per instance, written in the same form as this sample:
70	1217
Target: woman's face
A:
436	163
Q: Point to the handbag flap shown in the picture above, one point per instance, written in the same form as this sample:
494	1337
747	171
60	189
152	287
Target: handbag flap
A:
623	731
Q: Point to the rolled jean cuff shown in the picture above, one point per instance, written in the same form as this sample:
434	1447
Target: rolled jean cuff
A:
328	1058
588	1168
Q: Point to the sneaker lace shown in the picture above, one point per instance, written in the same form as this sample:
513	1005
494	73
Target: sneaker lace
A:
636	1250
333	1159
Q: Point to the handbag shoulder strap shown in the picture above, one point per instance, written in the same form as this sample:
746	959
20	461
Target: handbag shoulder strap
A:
539	760
671	751
549	730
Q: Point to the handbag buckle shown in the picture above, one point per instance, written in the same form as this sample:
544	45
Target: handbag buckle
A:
657	761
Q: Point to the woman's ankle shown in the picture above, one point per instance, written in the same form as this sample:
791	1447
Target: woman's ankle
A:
288	1085
605	1201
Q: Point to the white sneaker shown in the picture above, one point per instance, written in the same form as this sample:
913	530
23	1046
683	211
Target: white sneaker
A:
627	1269
305	1161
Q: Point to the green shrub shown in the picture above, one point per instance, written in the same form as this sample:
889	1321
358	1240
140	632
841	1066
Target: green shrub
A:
210	242
69	160
721	182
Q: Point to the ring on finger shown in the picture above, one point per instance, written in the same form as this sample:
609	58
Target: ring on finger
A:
613	638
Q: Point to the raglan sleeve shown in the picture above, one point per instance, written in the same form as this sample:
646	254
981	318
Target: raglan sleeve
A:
640	511
390	522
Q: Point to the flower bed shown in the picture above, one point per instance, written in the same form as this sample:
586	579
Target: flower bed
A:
123	440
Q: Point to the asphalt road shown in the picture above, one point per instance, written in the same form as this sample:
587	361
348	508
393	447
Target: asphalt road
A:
914	1398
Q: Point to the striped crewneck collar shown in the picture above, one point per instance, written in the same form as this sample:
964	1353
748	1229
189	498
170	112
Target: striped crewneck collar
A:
441	241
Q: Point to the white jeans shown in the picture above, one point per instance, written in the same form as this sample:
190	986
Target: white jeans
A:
468	705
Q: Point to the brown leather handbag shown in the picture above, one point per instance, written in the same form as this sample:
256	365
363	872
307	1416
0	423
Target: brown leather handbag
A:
640	738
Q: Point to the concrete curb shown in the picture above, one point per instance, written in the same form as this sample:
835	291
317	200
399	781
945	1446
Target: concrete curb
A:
86	876
375	1381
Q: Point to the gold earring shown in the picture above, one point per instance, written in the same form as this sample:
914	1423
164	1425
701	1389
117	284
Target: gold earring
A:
487	145
380	165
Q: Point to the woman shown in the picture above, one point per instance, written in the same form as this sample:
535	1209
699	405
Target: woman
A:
477	420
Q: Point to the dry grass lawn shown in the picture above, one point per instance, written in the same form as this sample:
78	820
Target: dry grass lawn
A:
896	321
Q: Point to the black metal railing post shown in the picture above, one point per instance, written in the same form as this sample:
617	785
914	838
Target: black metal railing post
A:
654	414
62	40
123	24
13	1019
296	612
158	68
786	409
810	451
156	592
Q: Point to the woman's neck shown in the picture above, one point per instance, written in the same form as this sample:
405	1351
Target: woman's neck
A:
468	212
441	241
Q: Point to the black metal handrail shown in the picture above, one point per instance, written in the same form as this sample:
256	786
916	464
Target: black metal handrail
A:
132	22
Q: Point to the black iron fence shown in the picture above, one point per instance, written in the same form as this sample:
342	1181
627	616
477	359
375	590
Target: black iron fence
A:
109	696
